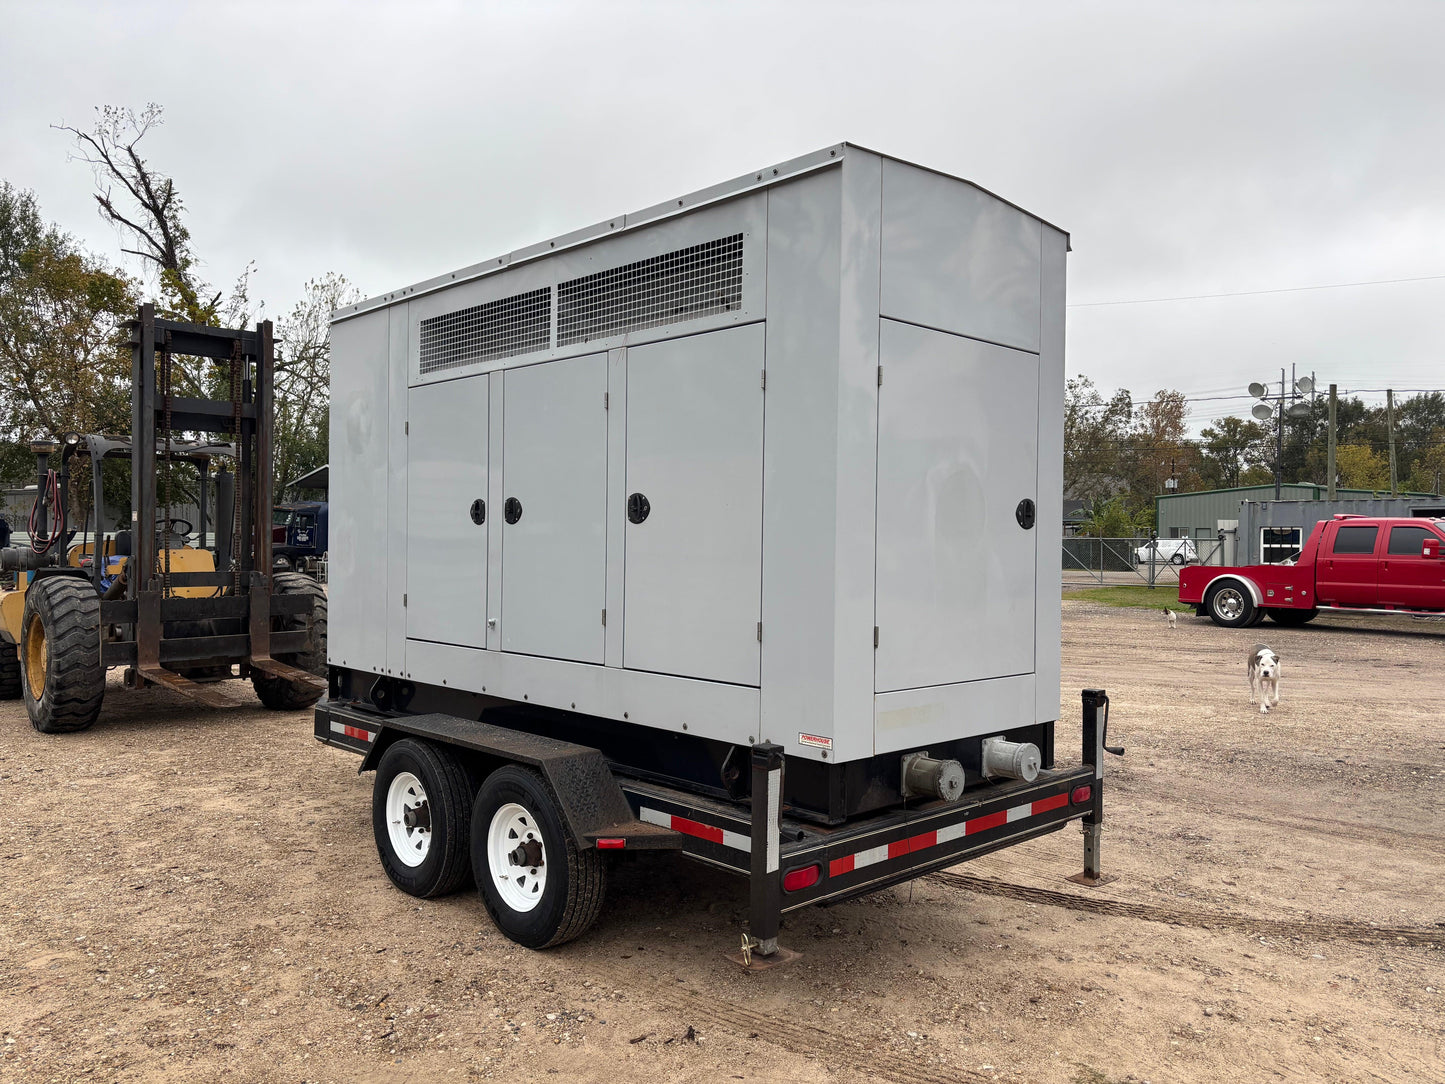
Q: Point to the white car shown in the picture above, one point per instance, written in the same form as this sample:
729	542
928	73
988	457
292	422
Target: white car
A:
1174	551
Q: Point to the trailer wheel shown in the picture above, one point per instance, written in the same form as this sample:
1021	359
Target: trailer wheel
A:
1231	605
540	888
276	693
421	815
9	671
59	656
1291	618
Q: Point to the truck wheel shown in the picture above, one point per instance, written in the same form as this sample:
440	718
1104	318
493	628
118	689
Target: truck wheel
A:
276	693
9	671
64	681
421	815
539	887
1230	604
1291	618
1177	559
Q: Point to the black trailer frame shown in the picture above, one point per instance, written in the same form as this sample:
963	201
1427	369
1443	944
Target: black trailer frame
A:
791	861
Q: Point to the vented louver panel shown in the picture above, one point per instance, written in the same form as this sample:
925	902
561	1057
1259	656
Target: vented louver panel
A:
684	285
498	329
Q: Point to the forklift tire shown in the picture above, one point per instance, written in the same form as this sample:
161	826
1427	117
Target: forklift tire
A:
421	816
276	693
1231	605
64	680
1291	618
515	823
9	671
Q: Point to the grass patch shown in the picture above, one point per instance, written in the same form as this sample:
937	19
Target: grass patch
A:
1141	597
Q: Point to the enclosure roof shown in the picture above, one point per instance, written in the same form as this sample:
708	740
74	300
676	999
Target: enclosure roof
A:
790	170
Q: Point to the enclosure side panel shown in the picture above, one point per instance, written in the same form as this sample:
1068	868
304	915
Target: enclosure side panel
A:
399	334
914	718
800	436
860	254
958	259
446	476
360	402
1048	632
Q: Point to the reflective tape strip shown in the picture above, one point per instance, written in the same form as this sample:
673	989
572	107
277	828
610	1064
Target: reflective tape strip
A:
924	840
351	731
775	807
697	829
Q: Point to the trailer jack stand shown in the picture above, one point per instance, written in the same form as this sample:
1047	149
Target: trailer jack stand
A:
1096	744
755	955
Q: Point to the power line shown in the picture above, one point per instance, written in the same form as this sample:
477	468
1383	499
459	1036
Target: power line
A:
1254	293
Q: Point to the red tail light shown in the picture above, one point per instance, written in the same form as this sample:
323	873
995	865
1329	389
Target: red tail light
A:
797	879
1081	795
611	844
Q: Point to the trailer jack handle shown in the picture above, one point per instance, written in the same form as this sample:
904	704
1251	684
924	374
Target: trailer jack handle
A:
1096	736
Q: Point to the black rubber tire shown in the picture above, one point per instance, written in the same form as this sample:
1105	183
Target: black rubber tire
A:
276	693
66	611
447	866
1228	591
1292	618
10	685
576	885
1177	559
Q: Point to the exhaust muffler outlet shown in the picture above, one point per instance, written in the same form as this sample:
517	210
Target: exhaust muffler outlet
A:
926	777
1010	760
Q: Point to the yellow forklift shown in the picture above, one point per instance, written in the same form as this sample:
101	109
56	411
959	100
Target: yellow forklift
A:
170	611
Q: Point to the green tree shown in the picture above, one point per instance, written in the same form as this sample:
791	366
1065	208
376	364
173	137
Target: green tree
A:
1361	467
1094	435
64	365
303	376
1228	449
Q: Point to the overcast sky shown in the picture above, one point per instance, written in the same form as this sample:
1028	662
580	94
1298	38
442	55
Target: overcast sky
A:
1191	148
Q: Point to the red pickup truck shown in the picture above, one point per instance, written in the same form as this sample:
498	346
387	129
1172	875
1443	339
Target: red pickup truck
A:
1350	563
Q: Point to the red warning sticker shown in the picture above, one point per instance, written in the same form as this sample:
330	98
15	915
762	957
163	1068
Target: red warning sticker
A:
817	741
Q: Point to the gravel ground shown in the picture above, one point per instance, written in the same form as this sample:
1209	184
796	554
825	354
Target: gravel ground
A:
194	894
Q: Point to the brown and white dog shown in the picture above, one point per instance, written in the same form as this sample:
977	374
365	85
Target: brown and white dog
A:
1262	666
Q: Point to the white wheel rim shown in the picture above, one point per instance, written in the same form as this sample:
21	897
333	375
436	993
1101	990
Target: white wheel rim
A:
514	843
408	819
1229	603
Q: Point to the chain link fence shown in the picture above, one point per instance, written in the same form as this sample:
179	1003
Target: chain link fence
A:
1095	562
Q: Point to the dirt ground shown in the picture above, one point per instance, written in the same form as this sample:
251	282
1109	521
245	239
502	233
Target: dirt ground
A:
195	895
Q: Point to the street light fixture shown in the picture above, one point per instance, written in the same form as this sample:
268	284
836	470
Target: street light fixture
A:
1263	410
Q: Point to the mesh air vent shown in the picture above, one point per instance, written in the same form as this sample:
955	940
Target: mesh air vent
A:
498	329
683	285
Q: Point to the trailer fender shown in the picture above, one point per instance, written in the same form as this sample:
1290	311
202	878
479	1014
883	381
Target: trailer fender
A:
588	795
1254	591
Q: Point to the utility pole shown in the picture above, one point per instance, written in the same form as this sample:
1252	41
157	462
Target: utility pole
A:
1390	423
1279	440
1330	443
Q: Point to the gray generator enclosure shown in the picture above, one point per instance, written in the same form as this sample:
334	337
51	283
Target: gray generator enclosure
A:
779	460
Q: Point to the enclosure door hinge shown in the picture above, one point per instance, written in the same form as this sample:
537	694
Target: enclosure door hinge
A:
406	428
880	376
765	380
606	401
403	601
875	635
604	615
760	632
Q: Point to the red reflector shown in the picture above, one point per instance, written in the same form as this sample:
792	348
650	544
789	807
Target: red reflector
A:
611	844
806	877
1081	795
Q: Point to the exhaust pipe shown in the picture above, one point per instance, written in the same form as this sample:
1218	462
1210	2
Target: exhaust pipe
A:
1010	760
926	777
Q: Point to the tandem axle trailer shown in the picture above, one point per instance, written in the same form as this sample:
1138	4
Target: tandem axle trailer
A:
444	785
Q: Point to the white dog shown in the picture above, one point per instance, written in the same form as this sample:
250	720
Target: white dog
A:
1172	619
1263	670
